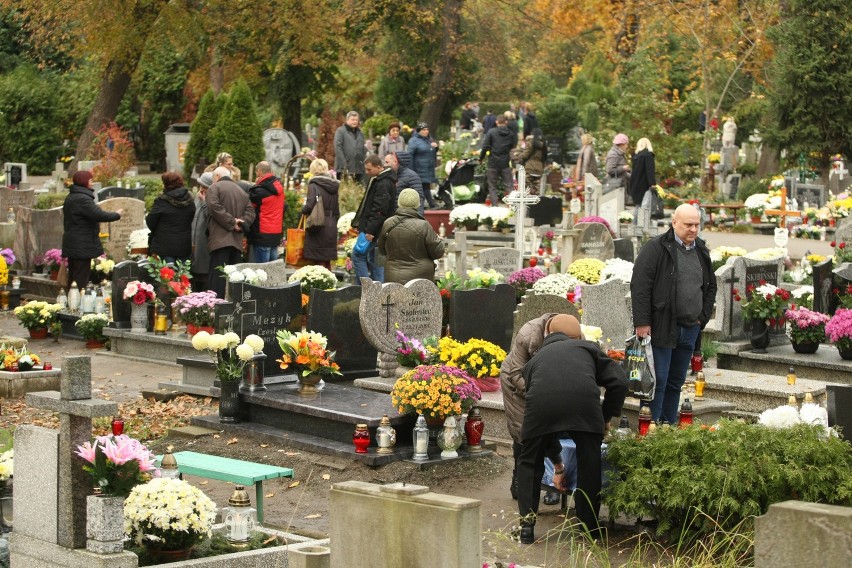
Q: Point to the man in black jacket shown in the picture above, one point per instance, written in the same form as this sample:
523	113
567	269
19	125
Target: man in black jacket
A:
398	162
376	206
563	382
673	290
499	142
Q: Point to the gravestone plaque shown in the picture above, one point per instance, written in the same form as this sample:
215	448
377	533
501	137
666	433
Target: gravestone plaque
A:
839	406
608	307
812	194
824	299
548	211
334	313
502	259
36	230
536	305
733	184
761	273
262	311
595	241
113	192
15	198
623	249
484	313
123	273
415	308
118	232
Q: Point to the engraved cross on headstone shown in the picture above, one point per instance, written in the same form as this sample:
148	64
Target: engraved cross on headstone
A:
518	200
388	305
730	282
76	409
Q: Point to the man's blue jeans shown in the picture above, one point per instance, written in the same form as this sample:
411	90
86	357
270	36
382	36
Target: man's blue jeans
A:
365	265
264	254
670	367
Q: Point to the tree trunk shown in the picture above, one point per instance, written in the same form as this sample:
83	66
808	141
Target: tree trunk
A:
291	112
768	163
439	86
217	72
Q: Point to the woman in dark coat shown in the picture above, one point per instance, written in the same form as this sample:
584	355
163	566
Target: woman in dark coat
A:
170	221
81	219
200	254
321	244
409	242
643	177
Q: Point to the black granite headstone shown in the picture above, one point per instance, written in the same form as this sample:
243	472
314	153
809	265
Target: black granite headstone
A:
823	282
262	311
484	313
623	249
548	211
812	194
765	272
839	406
334	313
122	273
110	192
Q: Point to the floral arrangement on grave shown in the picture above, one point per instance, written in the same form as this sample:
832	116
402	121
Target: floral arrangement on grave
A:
478	278
838	208
617	269
787	416
478	358
411	352
764	302
547	240
435	391
117	464
198	308
91	326
802	296
20	357
597	219
625	217
500	217
586	270
756	204
251	276
4	272
104	266
524	279
769	253
306	353
844	296
842	253
37	314
314	276
720	255
229	355
9	256
556	284
714	158
174	281
839	329
168	514
138	292
470	215
53	259
7	464
138	242
344	224
805	326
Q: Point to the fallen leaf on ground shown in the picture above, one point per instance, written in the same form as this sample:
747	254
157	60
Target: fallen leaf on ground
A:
118	374
294	484
270	495
233	441
314	516
264	445
292	453
216	436
326	476
203	482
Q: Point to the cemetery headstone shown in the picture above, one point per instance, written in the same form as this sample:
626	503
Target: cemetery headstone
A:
16	174
132	219
623	249
122	273
839	407
843	233
279	145
608	306
738	273
113	192
15	198
548	211
778	535
757	272
36	491
733	186
812	194
501	259
593	192
334	313
36	231
276	273
483	313
536	305
822	282
610	205
595	241
262	311
415	309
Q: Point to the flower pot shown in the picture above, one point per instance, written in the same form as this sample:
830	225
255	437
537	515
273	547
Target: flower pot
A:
54	274
138	318
805	347
38	333
759	336
165	556
845	354
94	344
487	384
832	222
229	401
755	219
192	329
104	524
310	384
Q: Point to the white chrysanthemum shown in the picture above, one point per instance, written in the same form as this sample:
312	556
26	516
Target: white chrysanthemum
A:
217	342
345	223
245	352
766	253
201	340
617	269
255	342
781	417
261	275
591	332
230	268
557	284
232	339
249	274
814	414
236	276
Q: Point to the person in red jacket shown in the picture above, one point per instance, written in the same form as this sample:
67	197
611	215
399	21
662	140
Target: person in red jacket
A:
267	196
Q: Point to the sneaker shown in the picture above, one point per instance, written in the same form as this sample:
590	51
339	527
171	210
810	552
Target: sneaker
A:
527	535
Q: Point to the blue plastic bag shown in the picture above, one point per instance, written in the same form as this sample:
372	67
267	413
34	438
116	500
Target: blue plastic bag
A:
361	244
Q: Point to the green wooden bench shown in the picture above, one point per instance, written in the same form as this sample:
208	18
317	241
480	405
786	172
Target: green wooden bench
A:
227	469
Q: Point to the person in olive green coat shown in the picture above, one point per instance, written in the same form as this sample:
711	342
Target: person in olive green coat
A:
409	242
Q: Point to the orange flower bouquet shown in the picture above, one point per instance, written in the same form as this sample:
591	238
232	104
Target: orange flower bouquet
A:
306	353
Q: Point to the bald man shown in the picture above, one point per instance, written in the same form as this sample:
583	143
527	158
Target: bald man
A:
563	386
673	290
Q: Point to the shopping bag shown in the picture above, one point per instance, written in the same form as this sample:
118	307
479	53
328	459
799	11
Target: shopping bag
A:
639	365
657	209
362	244
316	220
296	243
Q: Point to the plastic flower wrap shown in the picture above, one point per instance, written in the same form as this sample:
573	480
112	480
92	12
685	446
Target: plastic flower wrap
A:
477	357
556	284
198	308
478	278
306	353
117	464
344	224
37	314
7	464
412	352
435	391
524	279
617	269
138	292
314	276
806	326
586	270
168	514
229	355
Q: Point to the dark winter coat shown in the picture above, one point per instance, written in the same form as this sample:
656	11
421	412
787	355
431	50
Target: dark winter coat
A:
530	122
200	254
499	141
642	175
377	204
512	125
654	288
533	159
423	157
170	222
467	117
81	219
489	122
563	382
406	177
411	246
322	243
267	197
226	202
349	150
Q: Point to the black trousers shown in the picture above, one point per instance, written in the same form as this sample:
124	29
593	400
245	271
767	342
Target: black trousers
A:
587	499
220	257
79	271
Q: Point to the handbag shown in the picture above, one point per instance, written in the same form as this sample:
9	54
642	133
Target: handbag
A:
362	245
296	243
316	220
657	208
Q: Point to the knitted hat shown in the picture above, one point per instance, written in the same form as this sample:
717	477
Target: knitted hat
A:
408	198
620	139
421	126
565	324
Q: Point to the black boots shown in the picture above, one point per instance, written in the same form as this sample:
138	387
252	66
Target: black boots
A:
513	488
527	534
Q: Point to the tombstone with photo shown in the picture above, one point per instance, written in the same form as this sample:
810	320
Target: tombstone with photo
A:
812	194
823	279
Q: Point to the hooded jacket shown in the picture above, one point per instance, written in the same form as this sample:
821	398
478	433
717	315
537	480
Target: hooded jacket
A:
406	177
411	246
322	244
267	197
81	219
500	141
170	222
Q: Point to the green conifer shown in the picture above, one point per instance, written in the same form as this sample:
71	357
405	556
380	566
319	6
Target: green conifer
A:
238	130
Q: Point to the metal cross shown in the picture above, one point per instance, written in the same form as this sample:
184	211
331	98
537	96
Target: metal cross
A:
518	200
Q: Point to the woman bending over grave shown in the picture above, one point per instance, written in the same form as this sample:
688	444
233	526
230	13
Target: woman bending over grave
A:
170	221
409	242
321	243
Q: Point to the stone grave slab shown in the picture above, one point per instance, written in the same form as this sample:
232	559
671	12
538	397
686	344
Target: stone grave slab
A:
741	272
839	406
536	305
484	313
824	300
15	198
262	311
623	249
610	205
812	194
608	307
504	260
132	219
36	491
334	313
114	192
595	241
122	273
548	211
36	230
415	308
779	534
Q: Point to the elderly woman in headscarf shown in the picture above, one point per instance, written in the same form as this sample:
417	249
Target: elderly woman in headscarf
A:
409	242
170	221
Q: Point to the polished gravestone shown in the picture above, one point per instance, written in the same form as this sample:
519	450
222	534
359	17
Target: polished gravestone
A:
334	313
114	191
824	299
484	313
840	408
122	273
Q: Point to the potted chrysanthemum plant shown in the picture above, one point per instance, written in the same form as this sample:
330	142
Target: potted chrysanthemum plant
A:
806	329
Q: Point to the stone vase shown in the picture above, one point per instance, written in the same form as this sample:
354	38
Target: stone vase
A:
104	524
138	318
759	336
229	400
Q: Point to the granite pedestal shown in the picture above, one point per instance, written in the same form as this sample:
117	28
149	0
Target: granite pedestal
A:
16	384
824	365
148	346
39	288
705	411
